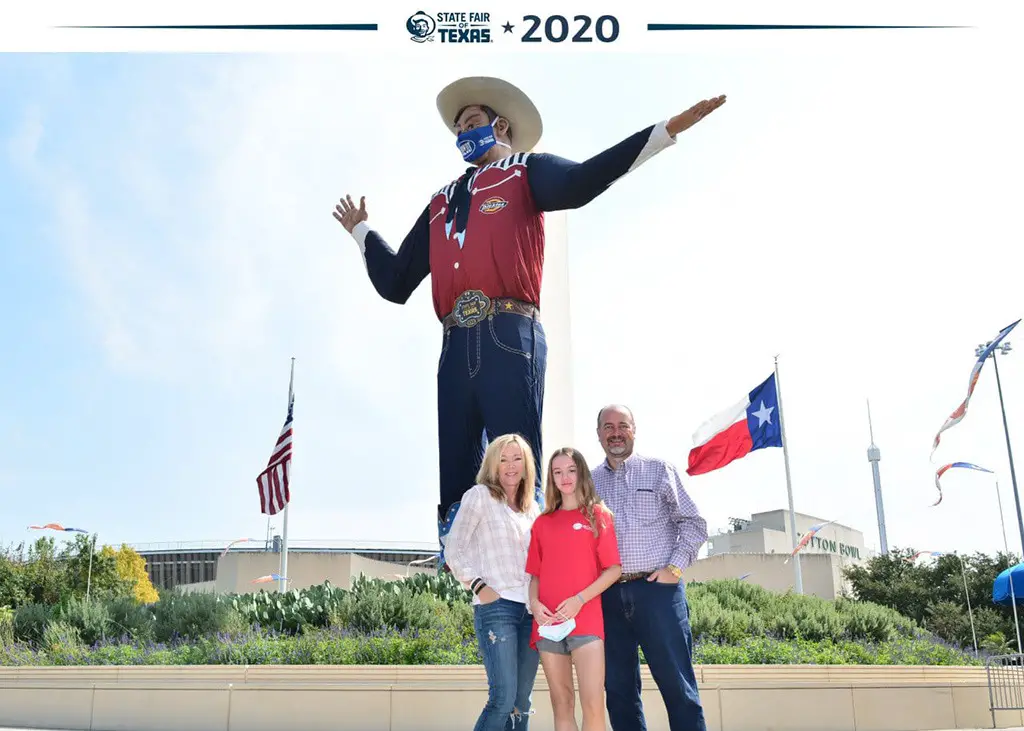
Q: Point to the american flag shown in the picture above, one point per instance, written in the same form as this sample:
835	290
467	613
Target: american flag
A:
273	481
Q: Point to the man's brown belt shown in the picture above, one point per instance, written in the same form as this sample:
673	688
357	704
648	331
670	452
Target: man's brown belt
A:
634	576
473	306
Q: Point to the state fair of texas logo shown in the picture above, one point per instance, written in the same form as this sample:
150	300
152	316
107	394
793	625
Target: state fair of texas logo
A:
493	205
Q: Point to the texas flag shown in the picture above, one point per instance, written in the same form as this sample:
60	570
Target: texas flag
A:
752	423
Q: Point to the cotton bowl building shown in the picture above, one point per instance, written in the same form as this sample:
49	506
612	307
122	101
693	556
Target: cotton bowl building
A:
205	566
756	550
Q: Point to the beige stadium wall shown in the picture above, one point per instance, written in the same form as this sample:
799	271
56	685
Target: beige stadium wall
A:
435	698
820	572
236	571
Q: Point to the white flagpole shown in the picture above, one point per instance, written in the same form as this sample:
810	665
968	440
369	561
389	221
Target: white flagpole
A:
282	585
1009	576
967	593
88	580
789	485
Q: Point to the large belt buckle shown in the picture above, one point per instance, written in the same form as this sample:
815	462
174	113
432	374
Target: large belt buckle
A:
471	307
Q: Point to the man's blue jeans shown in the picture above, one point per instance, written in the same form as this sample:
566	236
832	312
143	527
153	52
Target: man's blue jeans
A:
503	633
654	617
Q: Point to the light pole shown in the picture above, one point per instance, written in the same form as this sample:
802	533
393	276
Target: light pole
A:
967	593
88	580
1004	348
1009	570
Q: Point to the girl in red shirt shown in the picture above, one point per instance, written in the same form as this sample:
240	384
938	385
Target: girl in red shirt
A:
573	557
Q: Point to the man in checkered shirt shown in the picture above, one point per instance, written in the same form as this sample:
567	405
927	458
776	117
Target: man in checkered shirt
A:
659	531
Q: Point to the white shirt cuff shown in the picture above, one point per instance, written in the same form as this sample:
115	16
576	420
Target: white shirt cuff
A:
359	233
660	133
658	141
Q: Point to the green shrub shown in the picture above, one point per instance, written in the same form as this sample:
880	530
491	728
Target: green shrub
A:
194	616
62	644
291	611
30	621
6	626
427	619
441	646
90	618
130	619
729	610
768	651
874	623
444	587
709	619
370	604
460	615
60	635
387	610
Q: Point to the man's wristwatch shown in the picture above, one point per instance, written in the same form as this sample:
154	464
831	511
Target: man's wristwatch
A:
676	571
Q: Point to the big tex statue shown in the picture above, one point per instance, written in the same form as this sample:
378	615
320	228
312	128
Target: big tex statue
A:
481	238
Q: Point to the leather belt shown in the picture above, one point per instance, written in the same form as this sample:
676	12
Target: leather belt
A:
472	307
634	576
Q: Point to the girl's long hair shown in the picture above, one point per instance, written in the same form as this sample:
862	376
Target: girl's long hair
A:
490	467
586	493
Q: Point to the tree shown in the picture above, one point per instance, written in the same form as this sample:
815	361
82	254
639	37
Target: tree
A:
42	575
932	593
132	568
98	575
12	591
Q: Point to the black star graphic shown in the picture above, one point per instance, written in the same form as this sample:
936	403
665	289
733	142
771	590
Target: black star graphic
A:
508	27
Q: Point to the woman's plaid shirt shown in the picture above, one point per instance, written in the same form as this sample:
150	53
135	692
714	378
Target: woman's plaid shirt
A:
490	540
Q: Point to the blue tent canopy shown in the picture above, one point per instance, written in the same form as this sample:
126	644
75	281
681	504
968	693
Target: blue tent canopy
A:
1001	586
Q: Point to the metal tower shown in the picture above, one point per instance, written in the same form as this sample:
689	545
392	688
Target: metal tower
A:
874	457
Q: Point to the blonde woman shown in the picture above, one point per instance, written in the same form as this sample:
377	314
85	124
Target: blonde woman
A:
486	550
573	558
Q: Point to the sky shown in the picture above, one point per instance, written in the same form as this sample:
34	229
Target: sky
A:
167	244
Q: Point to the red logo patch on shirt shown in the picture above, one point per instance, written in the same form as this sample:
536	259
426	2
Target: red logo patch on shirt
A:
493	205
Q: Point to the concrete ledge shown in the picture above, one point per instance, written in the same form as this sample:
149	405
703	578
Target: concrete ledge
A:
429	697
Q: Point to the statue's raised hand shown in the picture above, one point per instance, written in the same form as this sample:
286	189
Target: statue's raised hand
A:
694	114
347	213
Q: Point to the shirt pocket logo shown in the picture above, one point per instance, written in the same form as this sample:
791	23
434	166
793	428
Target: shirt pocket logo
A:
493	205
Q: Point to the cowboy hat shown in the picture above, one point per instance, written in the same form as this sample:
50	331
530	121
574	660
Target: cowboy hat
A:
504	98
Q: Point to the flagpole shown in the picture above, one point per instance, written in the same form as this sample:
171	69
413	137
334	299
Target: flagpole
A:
1009	572
789	484
967	593
282	585
88	579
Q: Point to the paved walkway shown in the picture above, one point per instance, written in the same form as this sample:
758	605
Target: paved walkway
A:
987	728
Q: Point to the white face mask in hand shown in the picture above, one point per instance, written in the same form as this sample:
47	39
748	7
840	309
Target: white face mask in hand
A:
557	632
